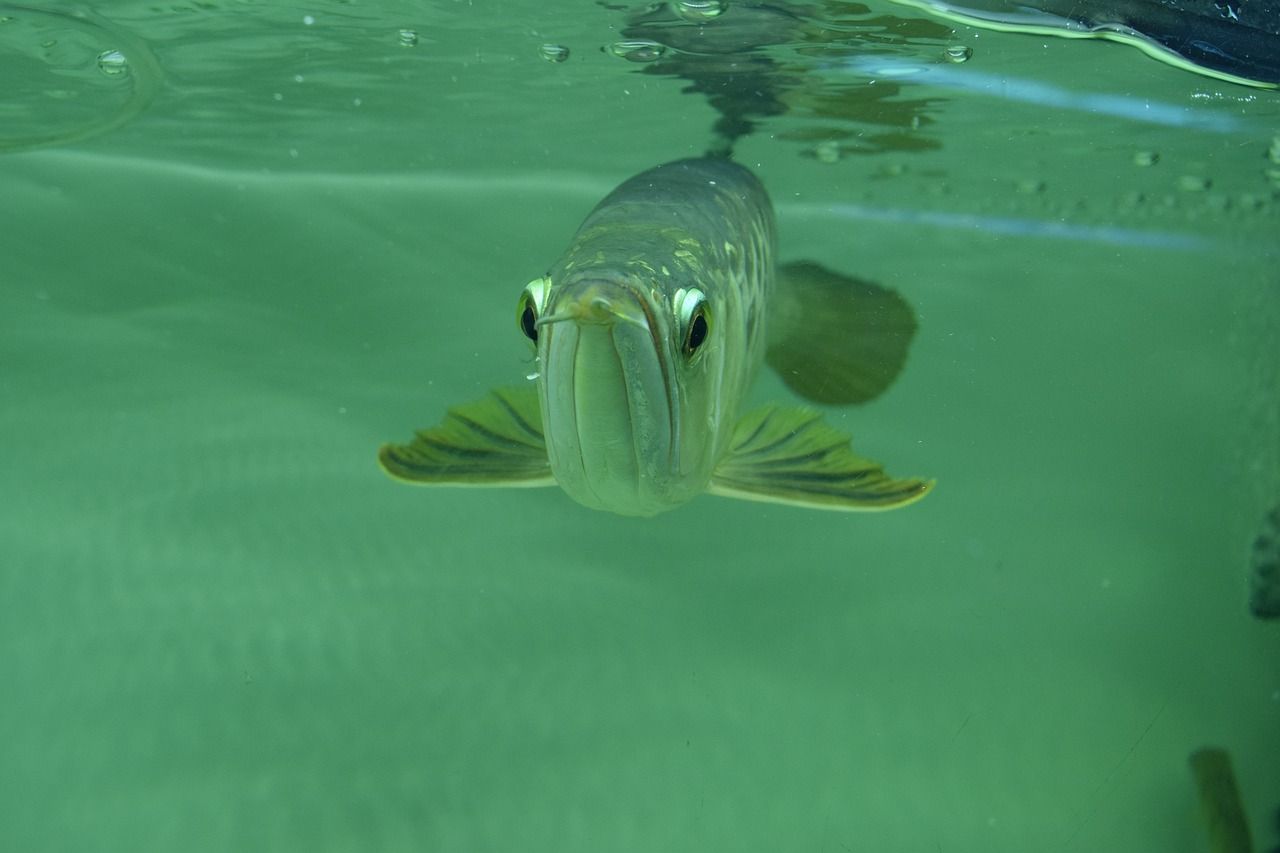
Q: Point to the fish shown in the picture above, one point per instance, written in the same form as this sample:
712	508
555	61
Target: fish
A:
647	335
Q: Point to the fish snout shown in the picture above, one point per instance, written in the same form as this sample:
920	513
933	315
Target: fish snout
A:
597	303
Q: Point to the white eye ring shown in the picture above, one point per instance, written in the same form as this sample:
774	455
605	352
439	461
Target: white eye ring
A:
532	304
693	318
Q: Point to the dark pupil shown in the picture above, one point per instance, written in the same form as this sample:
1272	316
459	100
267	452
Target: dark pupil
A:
697	331
527	320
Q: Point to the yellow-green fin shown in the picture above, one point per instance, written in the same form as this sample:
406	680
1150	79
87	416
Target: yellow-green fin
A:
835	339
793	456
496	441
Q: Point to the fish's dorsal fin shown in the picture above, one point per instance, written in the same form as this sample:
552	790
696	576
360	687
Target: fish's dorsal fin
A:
835	339
495	441
792	456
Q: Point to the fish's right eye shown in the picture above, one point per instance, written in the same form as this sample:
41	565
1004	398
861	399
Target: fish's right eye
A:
532	304
528	318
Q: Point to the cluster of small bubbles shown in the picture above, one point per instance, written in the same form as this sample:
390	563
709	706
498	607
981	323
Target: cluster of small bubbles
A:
827	152
408	38
553	52
1146	158
113	63
1251	202
1193	183
958	53
637	50
698	11
1133	198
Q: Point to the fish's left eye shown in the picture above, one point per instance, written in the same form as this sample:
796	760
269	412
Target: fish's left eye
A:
694	317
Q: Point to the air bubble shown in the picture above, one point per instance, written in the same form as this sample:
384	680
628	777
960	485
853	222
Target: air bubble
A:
958	53
113	63
553	52
698	11
408	38
56	99
828	151
639	50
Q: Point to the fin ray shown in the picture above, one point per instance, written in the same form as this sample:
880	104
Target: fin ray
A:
793	456
494	441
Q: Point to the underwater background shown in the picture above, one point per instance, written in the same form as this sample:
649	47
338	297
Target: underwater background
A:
242	244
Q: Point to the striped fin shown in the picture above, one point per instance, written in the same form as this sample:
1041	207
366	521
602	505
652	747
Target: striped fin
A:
793	456
496	441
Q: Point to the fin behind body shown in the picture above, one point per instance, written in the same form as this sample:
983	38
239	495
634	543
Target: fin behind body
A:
835	339
793	456
496	441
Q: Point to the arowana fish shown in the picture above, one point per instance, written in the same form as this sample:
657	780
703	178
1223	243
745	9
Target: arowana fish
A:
648	333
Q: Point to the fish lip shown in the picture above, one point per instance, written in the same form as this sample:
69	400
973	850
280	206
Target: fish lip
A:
595	300
602	309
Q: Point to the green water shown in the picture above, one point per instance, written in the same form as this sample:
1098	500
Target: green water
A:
273	244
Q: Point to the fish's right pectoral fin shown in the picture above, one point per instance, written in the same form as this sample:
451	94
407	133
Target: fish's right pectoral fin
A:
495	441
793	456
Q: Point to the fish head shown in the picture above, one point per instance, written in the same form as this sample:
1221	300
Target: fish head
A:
629	375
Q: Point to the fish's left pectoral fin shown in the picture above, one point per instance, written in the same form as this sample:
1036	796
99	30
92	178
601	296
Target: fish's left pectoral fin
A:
834	339
793	456
495	441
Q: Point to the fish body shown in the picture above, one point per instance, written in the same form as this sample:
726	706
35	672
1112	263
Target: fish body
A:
648	333
636	418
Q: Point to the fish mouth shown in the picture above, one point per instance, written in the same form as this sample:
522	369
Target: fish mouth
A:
610	408
601	304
